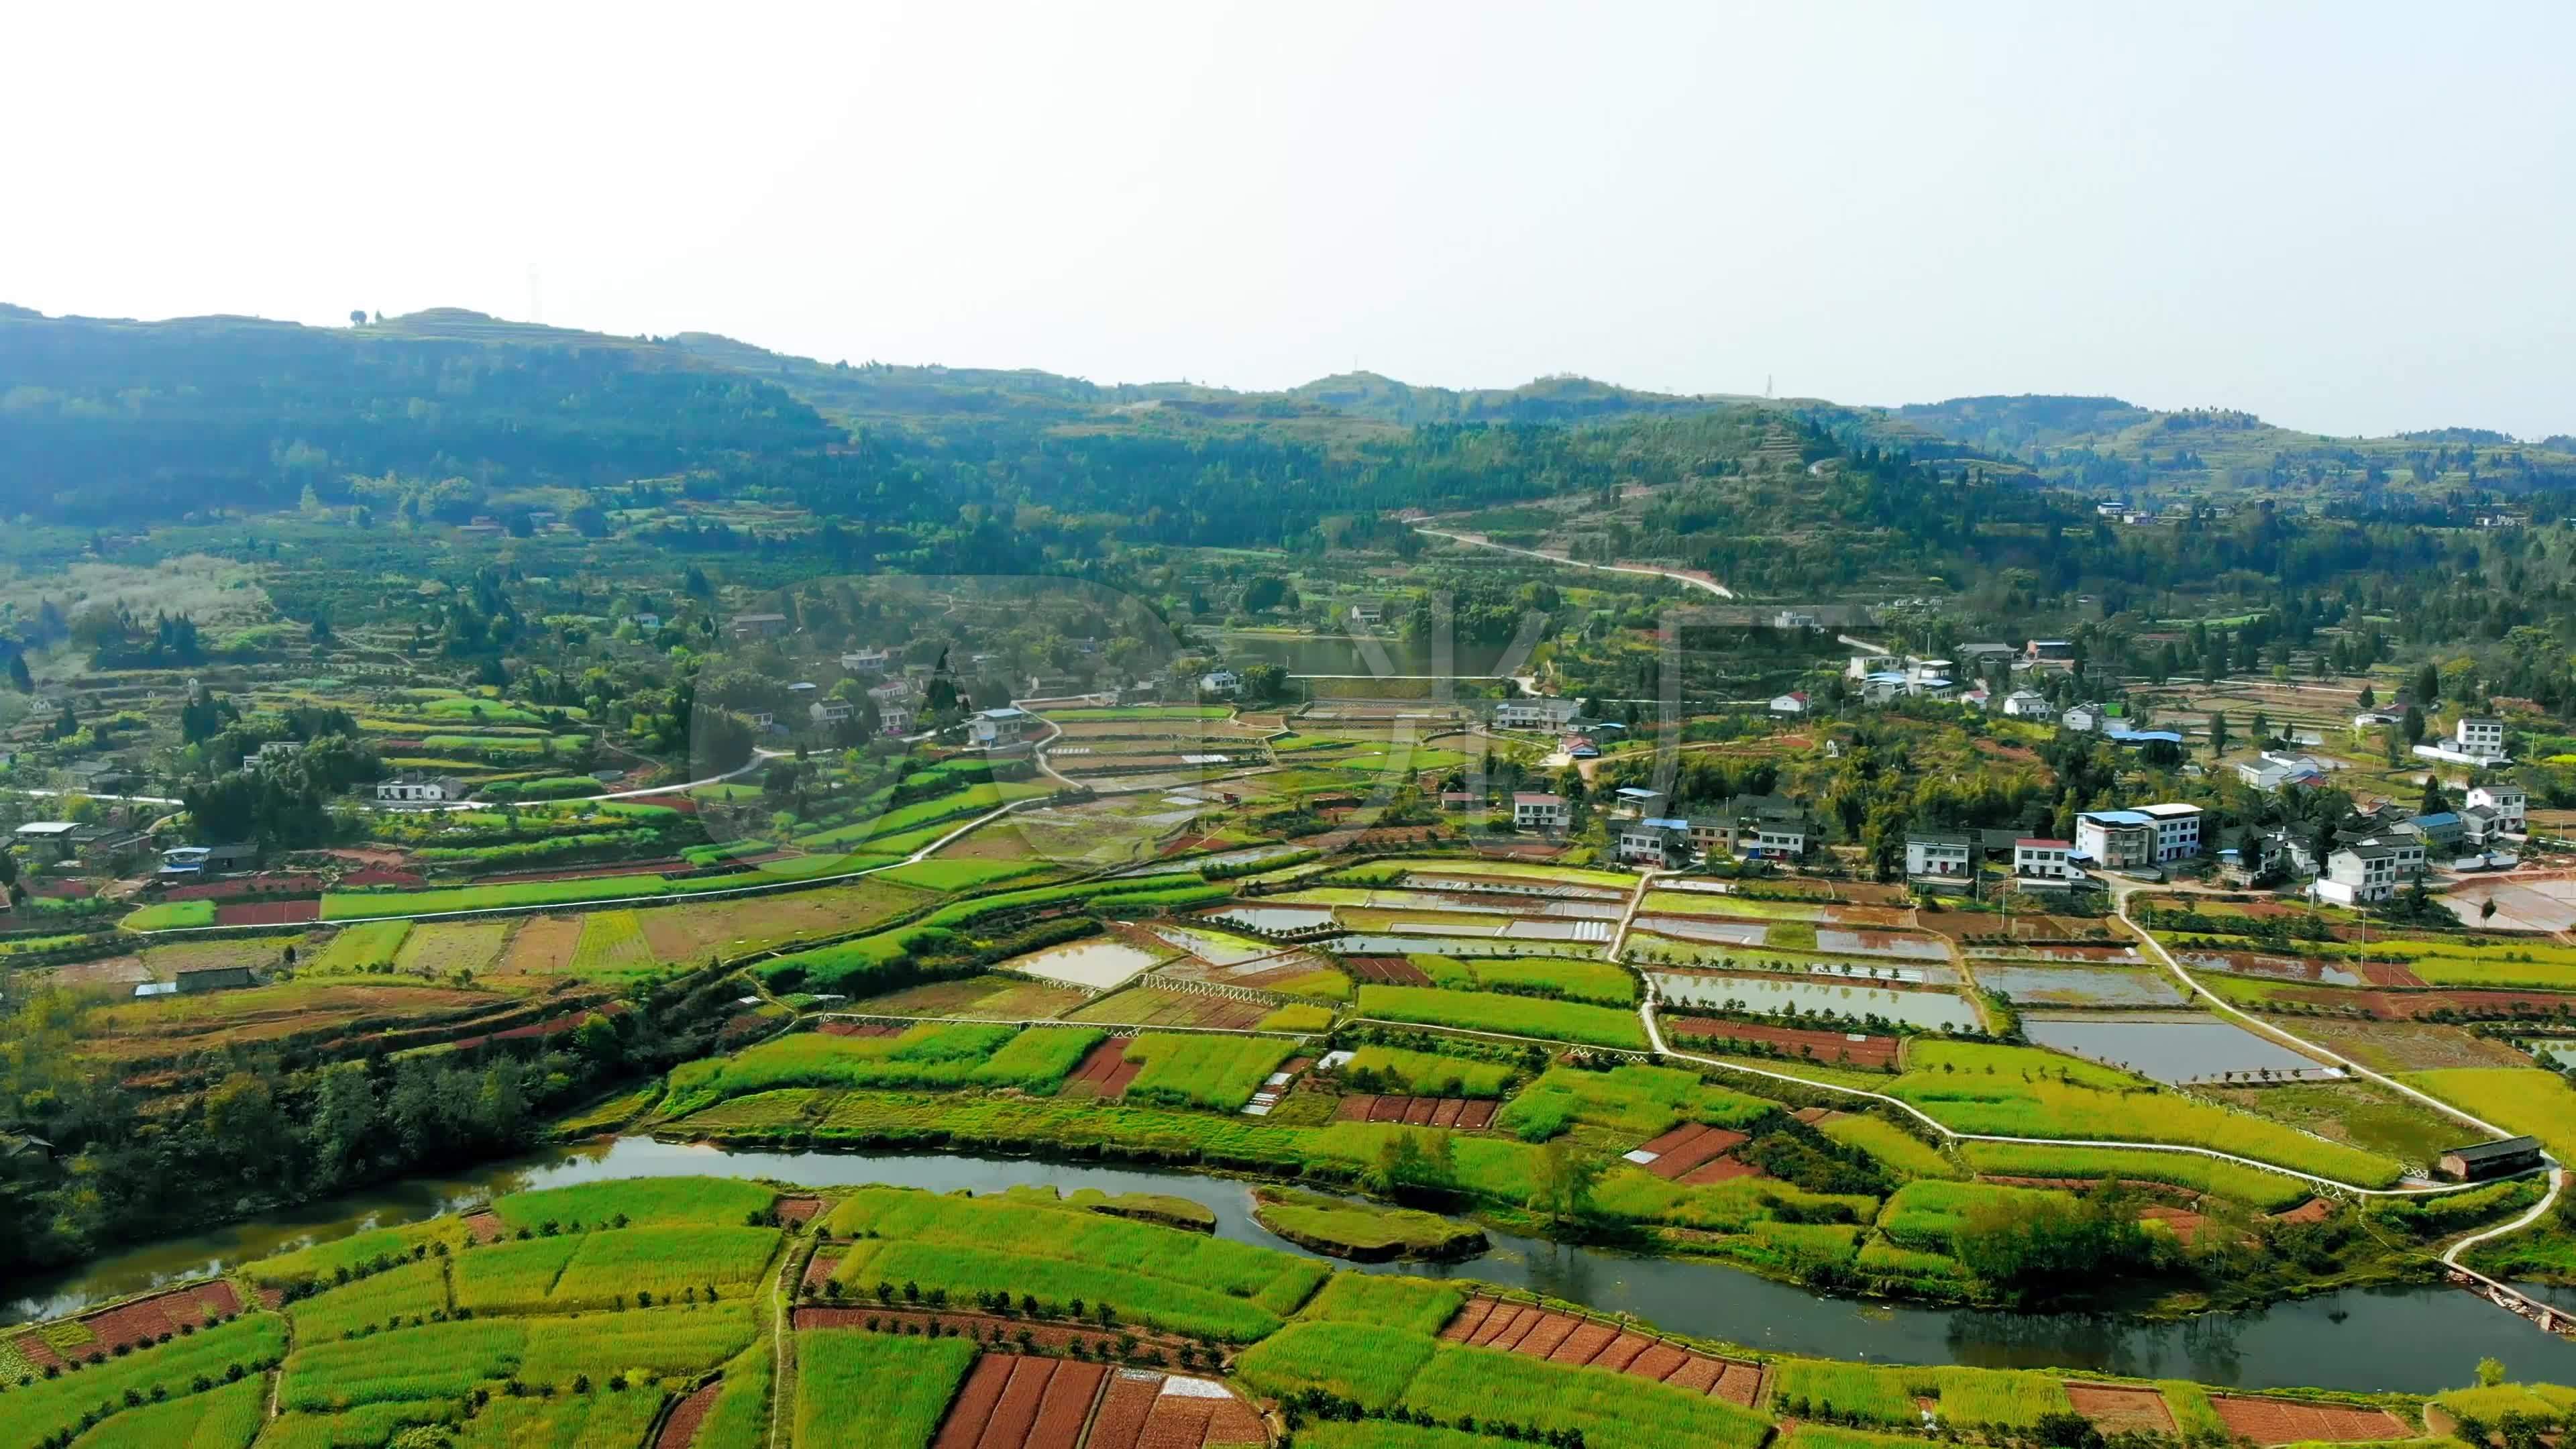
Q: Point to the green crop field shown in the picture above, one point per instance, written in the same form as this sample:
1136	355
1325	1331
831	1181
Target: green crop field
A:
2265	1191
1598	982
1999	1398
1278	1281
1203	1069
229	1353
2025	1092
365	905
1508	1015
1609	1408
932	1055
441	1361
226	1417
507	1275
1418	1305
963	1273
874	1391
1636	1102
170	916
612	944
1700	903
642	1201
681	1263
1385	1434
1907	1154
1037	1059
363	947
414	1290
658	1341
1365	1363
1430	1074
2518	1099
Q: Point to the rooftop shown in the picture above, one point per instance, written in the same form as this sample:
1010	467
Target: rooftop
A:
2487	1151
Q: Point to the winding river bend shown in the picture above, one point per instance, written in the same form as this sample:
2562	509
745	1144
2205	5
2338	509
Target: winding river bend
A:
2420	1339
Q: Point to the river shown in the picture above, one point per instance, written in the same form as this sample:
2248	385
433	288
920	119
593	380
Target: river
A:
2418	1339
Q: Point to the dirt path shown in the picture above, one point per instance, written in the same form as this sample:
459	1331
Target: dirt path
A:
1478	541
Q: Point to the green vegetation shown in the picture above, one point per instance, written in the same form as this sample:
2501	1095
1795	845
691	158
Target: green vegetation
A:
874	1391
2025	1092
1417	1305
170	916
1968	1398
2518	1099
1614	1408
414	1290
228	1353
1599	982
643	1201
960	875
1427	1074
1636	1102
1508	1015
1362	1231
369	946
934	1054
1364	1363
1891	1144
1203	1070
228	1417
2265	1191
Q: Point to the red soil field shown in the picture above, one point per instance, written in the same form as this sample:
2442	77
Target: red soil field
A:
797	1209
974	1407
145	1320
1565	1338
1124	1409
551	1026
1830	1047
485	1227
1178	1422
268	913
1067	1406
681	1429
1387	971
2314	1210
2272	1421
1724	1169
859	1028
1464	1113
224	890
2119	1410
1016	1412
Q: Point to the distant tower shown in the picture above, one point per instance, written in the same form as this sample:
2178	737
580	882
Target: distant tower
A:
1766	385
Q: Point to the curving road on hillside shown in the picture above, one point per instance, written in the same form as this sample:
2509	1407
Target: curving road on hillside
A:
1479	541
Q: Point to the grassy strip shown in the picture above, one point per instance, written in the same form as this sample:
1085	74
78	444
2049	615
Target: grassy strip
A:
874	1391
1510	1015
2521	1099
2266	1191
1893	1145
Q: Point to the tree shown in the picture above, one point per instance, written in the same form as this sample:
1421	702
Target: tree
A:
1563	1181
2486	910
2413	725
2433	802
2369	699
2490	1373
2428	684
357	316
2218	732
1264	593
19	679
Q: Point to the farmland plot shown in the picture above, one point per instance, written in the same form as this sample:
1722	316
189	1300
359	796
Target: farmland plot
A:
641	1201
413	1291
364	947
225	1417
873	1391
612	945
1203	1070
446	947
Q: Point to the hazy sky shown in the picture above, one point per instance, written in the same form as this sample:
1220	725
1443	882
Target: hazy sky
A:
2346	217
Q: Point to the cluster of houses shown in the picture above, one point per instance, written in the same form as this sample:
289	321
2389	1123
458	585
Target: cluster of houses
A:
1751	827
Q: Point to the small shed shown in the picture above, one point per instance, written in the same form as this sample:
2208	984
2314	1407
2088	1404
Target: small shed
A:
2492	1159
195	979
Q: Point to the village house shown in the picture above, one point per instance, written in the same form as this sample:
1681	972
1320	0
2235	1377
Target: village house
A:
1940	856
2116	839
2358	874
1532	810
1223	682
758	626
420	790
2041	862
830	711
1789	705
996	729
867	661
1535	714
895	719
2024	704
2506	805
2177	830
1654	842
2475	740
2049	654
2271	771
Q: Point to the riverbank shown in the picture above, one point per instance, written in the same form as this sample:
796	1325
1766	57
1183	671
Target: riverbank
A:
2353	1340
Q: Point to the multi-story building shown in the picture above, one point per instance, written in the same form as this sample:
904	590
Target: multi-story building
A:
2177	830
2042	861
2479	736
2116	839
1655	842
2508	804
1940	855
1535	811
2359	873
1536	714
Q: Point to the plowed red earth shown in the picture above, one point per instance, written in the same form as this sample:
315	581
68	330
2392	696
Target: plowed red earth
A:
1472	1114
1014	1401
268	913
143	1321
1387	971
2119	1410
1870	1053
681	1429
2273	1421
1564	1338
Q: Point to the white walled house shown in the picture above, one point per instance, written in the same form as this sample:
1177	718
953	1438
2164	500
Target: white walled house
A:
2177	830
1789	704
2116	839
2358	874
2509	803
420	790
1536	714
1940	855
1535	811
2025	704
2043	861
2475	740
